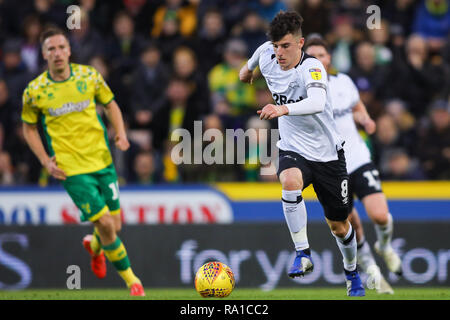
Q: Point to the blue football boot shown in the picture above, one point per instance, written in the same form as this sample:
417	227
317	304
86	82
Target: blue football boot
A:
303	264
355	287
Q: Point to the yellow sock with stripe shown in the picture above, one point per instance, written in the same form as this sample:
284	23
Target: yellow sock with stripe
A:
117	255
96	245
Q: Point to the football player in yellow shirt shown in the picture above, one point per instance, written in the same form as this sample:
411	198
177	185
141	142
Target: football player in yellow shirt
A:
64	99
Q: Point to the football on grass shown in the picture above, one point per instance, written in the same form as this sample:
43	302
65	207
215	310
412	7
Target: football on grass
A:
214	279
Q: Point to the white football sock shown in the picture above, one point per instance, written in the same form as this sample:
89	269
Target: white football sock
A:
347	246
295	214
384	233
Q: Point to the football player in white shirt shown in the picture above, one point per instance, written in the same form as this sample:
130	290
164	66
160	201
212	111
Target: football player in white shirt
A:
310	148
364	177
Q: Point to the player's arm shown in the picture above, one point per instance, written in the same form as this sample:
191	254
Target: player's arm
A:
33	139
114	116
314	103
104	96
246	72
362	117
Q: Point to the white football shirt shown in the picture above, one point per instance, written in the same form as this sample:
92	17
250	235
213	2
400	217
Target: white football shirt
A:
315	136
344	97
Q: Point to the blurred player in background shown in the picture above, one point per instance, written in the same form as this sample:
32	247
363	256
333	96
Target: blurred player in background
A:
63	99
311	150
364	182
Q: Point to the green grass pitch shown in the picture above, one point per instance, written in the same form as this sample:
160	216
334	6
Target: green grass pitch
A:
237	294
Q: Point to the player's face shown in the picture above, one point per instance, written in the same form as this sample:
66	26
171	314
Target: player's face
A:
56	51
320	53
288	50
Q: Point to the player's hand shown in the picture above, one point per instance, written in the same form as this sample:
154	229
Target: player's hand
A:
54	170
272	111
121	141
370	126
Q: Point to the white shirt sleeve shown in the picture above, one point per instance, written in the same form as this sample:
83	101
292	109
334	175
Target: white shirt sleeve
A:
253	62
314	74
314	103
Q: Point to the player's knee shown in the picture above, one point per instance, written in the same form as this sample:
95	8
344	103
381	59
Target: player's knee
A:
339	228
290	182
380	218
105	225
118	226
378	215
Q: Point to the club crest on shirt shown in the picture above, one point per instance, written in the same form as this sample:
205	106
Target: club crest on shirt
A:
316	73
81	86
293	85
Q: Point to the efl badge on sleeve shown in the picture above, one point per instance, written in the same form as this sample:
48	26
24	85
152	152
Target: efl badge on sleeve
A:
316	74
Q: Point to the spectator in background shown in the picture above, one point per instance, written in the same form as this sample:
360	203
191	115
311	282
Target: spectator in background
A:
232	99
148	83
368	96
6	124
16	159
400	14
14	71
365	69
95	15
31	48
416	80
380	39
170	38
6	169
215	151
355	9
145	169
185	67
212	35
9	114
405	122
446	51
432	21
103	67
123	47
400	166
343	40
175	113
100	64
252	165
51	11
267	9
320	12
122	51
232	11
186	15
387	138
85	42
253	31
140	11
434	145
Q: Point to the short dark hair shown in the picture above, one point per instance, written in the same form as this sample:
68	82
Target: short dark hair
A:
316	41
285	23
50	32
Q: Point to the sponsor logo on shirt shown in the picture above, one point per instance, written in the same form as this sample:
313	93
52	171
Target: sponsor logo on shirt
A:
69	107
342	112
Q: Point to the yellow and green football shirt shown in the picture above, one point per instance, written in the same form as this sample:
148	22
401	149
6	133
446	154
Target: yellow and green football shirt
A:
74	131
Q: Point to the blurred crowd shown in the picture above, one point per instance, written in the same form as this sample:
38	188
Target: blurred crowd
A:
172	62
